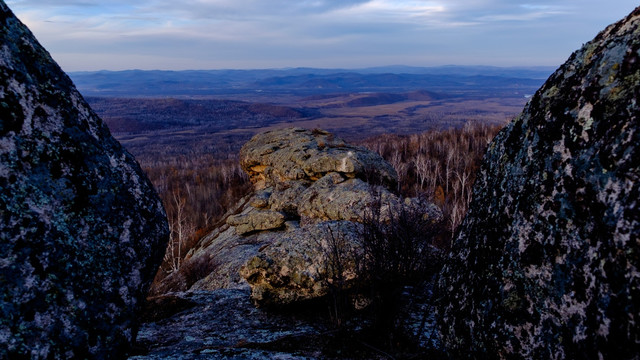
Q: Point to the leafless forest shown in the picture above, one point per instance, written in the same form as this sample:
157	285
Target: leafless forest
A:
198	190
438	164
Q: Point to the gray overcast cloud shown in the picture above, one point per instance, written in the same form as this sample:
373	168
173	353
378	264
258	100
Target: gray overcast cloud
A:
213	34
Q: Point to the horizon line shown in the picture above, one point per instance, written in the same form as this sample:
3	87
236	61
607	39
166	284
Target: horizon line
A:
527	67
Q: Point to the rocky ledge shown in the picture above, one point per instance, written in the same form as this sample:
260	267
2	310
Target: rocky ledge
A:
224	324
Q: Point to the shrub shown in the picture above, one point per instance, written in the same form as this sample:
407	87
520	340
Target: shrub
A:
393	249
398	251
338	256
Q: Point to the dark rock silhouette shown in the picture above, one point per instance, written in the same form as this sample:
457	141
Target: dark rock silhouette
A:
546	264
82	231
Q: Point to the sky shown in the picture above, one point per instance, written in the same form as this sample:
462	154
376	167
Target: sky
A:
85	35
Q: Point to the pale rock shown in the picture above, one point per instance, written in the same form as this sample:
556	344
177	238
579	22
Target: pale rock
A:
256	220
309	186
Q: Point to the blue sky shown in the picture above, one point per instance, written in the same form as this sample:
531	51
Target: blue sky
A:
240	34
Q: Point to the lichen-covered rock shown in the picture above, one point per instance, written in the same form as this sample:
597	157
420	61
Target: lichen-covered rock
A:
261	199
306	182
227	252
82	231
256	220
335	198
286	196
546	264
298	154
296	267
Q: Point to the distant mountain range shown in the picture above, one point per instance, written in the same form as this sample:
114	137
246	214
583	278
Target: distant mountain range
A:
309	81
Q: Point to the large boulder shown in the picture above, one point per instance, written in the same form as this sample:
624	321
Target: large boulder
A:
82	231
312	190
547	262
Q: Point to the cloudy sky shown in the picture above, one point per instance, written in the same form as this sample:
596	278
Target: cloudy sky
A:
215	34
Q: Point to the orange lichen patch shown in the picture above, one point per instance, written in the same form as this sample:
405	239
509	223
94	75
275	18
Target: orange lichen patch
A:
258	168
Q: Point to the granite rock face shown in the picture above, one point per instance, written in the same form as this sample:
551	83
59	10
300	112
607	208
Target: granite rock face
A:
82	231
310	189
546	264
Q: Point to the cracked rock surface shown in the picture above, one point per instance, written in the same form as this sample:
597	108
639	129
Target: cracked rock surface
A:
223	324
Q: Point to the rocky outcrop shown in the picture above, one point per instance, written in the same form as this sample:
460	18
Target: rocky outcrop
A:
546	264
82	231
311	191
276	157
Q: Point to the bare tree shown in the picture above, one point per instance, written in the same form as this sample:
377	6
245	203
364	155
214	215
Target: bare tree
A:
423	167
441	164
181	229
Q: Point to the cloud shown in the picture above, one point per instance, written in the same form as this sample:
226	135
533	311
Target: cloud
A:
221	33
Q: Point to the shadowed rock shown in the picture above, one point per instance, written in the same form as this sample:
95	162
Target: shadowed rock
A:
223	324
546	262
82	231
294	267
